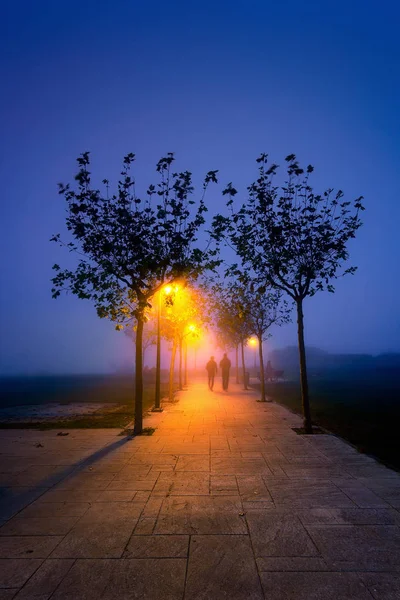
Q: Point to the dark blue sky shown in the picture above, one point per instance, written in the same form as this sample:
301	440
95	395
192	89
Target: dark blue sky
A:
217	83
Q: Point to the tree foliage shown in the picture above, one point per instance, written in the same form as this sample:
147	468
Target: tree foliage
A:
292	238
127	247
265	307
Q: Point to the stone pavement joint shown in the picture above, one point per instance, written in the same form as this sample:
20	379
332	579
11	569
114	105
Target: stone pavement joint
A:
224	500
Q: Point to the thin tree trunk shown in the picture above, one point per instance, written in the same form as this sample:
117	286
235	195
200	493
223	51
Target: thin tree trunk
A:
244	368
171	372
185	377
138	426
303	368
237	363
262	373
180	365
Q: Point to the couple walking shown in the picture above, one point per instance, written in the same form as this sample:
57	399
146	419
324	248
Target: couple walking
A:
211	367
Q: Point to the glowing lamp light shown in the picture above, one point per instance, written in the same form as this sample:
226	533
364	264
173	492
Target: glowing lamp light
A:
168	289
253	341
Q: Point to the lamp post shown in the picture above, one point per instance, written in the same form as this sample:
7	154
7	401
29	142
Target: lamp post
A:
157	400
167	290
192	331
253	342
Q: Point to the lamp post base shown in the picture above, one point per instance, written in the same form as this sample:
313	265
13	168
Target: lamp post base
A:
155	409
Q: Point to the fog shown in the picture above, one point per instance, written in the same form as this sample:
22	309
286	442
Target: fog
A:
217	92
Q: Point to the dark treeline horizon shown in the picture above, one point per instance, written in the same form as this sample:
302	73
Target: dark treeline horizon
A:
277	356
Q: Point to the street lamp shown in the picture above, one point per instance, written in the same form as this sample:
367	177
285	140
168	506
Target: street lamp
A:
167	290
193	332
253	342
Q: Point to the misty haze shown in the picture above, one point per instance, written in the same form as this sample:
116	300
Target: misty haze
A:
199	301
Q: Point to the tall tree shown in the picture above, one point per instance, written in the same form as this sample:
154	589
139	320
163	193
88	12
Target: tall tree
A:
294	239
128	247
229	305
265	307
149	337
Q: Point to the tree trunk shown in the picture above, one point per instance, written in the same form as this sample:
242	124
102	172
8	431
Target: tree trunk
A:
262	373
180	364
171	372
244	368
237	363
185	377
138	426
303	368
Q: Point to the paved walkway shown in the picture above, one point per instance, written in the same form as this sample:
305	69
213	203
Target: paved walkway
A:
223	501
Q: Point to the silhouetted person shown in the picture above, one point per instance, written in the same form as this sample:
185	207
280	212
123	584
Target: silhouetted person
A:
212	369
225	365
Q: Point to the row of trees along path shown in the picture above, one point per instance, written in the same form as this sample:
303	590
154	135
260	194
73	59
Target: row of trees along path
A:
288	241
242	309
128	247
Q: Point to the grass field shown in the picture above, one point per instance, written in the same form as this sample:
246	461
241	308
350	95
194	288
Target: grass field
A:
116	393
364	409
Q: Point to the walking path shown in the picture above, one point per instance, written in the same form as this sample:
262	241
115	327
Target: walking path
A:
223	501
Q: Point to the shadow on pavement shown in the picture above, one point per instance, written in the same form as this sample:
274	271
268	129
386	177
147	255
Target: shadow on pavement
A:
12	501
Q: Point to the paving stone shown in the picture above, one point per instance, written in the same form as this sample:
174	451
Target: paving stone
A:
296	564
313	506
202	515
301	495
358	547
362	496
39	546
38	526
375	470
86	580
366	516
253	489
145	526
387	489
14	500
141	497
155	459
222	567
152	507
382	586
256	505
131	473
187	449
45	580
312	516
15	572
316	472
52	509
147	579
318	586
102	532
223	485
130	485
75	496
157	546
183	483
239	466
115	496
277	534
7	594
193	463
